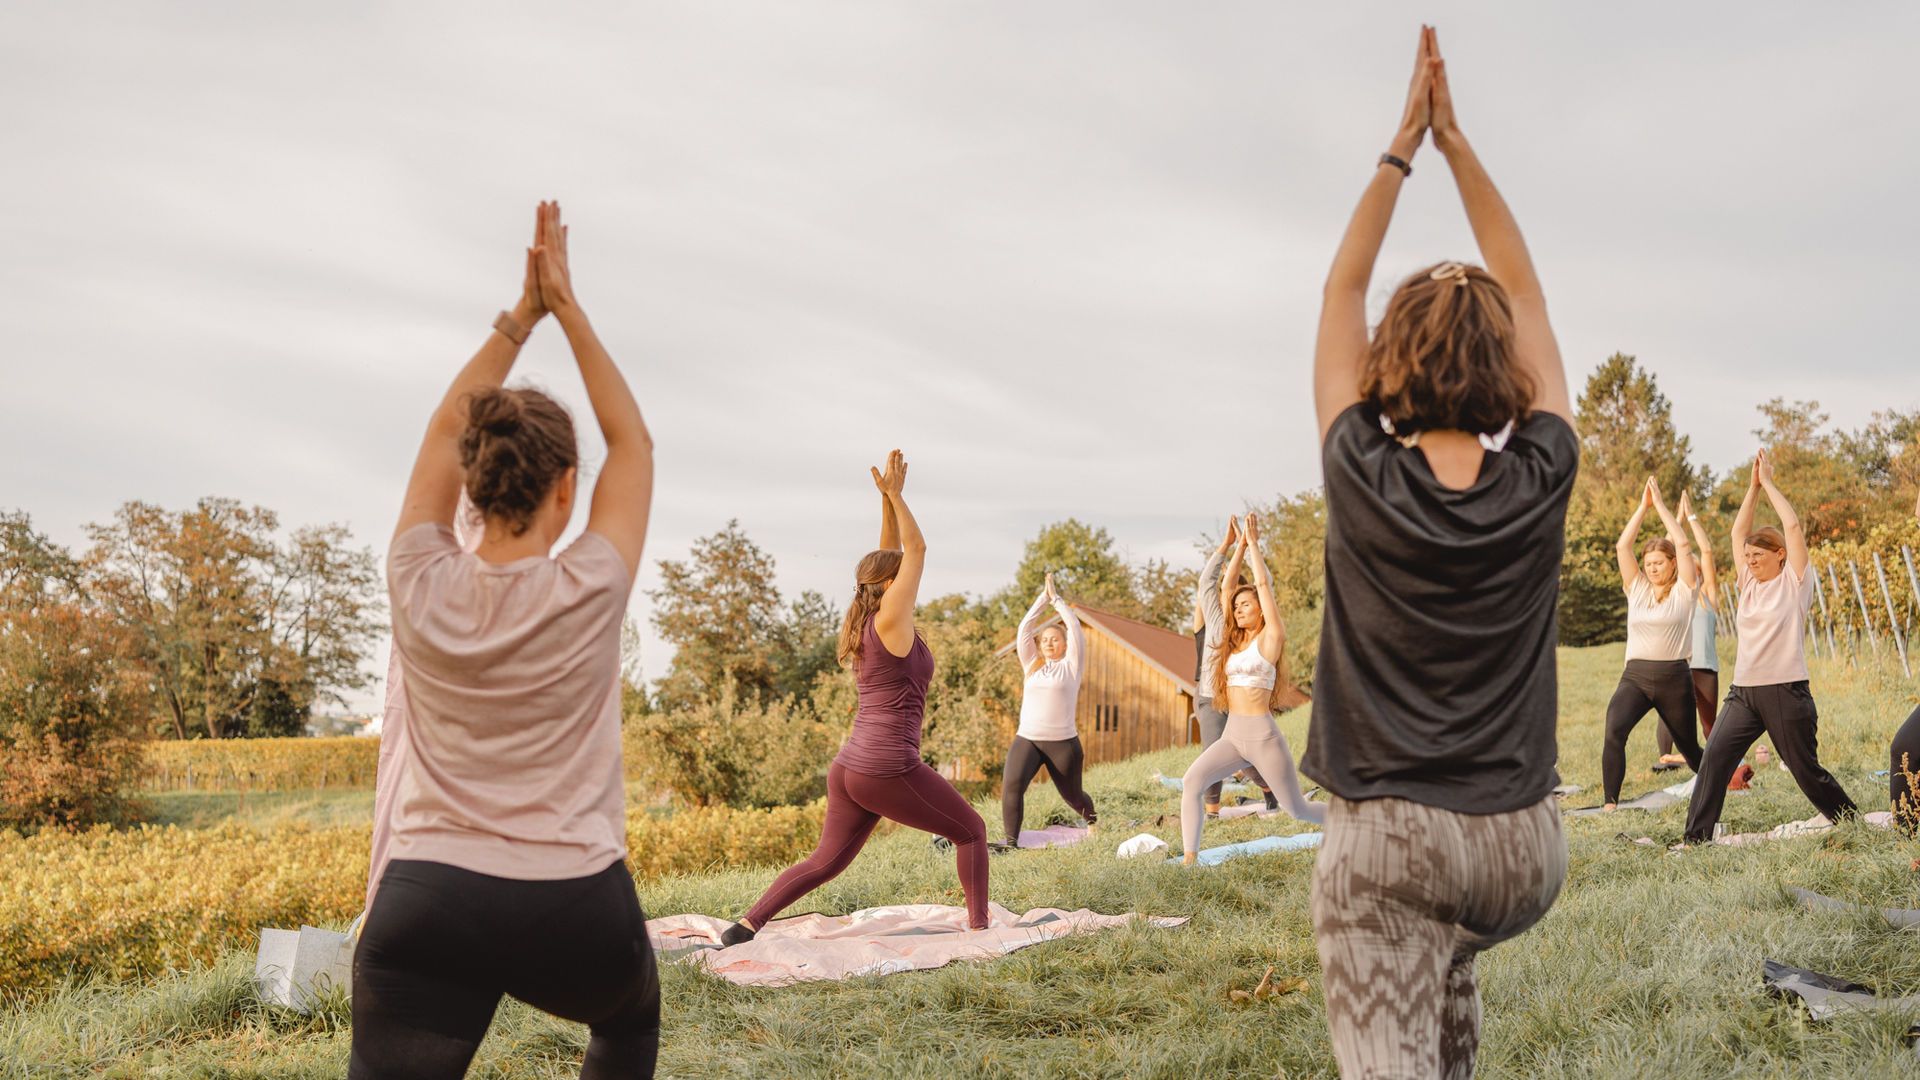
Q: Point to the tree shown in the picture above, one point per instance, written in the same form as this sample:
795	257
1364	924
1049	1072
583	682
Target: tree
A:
1627	434
1842	484
1164	595
72	703
238	634
1084	566
721	613
805	645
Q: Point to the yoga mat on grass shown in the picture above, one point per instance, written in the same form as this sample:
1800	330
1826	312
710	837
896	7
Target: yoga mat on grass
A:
1902	918
1654	800
1177	784
871	941
1813	826
1826	996
1051	836
1214	856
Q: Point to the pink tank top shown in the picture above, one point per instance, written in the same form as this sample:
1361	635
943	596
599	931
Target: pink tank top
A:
893	708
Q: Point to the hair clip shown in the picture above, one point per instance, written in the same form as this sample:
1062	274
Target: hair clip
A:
1454	270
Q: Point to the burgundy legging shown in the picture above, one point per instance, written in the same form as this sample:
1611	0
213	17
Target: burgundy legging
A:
920	799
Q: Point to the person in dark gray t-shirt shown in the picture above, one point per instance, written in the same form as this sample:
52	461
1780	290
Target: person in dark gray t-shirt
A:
1448	457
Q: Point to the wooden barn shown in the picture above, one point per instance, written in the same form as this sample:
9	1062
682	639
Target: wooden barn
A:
1138	691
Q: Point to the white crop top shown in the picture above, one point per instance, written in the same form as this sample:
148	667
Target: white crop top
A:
1248	668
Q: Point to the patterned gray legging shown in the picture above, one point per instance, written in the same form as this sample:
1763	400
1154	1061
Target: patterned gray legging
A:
1404	897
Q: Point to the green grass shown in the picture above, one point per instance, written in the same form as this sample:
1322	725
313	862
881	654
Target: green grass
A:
1649	965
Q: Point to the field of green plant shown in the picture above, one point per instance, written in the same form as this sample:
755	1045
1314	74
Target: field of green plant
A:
1649	965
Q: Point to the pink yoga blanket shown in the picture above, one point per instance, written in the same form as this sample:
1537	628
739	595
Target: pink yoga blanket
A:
872	941
1051	836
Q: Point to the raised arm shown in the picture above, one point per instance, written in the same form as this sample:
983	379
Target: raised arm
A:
1273	632
433	488
623	495
1623	548
1703	553
1206	596
1341	343
1026	639
1070	625
1503	249
1743	521
1227	577
894	621
1682	549
1796	533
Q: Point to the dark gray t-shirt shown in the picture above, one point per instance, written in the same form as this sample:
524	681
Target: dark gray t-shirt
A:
1436	679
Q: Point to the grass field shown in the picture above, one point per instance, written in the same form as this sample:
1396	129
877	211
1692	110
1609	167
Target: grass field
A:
1649	965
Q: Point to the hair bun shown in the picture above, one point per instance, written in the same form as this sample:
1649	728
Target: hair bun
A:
495	412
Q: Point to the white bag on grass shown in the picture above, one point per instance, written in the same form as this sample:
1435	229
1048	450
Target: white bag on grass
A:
296	968
1144	844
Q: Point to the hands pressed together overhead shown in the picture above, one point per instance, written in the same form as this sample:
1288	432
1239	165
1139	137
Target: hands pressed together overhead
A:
548	285
1429	105
894	480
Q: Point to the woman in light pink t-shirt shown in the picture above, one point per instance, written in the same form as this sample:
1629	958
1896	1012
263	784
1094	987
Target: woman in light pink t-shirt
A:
1769	693
504	827
1660	604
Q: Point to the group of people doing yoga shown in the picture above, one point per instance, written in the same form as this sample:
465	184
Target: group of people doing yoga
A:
1672	593
1448	456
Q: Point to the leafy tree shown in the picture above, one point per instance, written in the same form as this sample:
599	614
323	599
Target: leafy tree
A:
1084	566
72	701
720	611
805	644
1842	484
1164	595
237	633
1627	434
735	751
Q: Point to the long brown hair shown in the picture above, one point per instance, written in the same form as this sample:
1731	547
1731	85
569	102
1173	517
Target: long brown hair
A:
869	581
517	446
1443	355
1665	547
1237	637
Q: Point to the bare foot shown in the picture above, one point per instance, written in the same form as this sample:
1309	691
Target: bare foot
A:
1188	859
1609	807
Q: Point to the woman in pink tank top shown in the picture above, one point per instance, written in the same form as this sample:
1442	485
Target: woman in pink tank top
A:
879	773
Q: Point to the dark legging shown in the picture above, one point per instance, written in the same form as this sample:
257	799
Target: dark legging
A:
1663	686
1903	775
1786	714
1706	698
442	944
1063	758
920	799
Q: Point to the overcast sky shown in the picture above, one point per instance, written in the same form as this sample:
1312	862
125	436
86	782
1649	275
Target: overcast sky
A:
1066	255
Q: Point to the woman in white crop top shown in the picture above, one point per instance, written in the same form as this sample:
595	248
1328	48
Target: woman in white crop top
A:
1051	657
1660	603
1245	681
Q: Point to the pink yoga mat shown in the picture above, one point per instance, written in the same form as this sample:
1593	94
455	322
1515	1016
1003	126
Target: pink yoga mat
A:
872	941
1051	836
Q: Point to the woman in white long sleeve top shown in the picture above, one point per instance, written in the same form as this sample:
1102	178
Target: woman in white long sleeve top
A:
1053	661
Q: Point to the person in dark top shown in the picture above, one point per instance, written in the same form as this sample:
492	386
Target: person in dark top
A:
1448	456
878	772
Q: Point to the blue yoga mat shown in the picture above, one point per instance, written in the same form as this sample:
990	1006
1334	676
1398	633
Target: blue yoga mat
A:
1214	856
1175	783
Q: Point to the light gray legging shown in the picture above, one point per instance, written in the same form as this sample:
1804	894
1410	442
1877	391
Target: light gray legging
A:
1248	740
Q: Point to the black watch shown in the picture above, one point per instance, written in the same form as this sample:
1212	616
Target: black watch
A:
1398	163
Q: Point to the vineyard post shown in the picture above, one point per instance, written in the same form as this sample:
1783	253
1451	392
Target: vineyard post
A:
1913	579
1866	613
1893	618
1820	594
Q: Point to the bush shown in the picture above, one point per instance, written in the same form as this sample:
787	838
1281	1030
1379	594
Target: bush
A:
71	712
129	904
733	753
286	764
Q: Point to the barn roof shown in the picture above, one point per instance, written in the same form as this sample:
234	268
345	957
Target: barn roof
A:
1169	653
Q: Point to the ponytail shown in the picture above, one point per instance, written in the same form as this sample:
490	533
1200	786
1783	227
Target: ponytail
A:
870	584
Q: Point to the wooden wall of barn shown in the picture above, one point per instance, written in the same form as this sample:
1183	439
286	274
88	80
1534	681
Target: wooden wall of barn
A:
1127	706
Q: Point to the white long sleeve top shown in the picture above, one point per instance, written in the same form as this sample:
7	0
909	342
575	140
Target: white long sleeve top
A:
1052	691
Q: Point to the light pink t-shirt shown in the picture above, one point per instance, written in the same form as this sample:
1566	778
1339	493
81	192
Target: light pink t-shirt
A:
1772	623
512	677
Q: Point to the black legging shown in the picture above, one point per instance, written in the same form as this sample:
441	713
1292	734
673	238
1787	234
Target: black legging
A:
1706	699
1064	760
1903	775
1786	714
442	944
1665	686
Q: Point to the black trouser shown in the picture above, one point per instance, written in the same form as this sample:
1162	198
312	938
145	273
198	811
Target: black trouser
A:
1706	698
1903	775
1786	714
442	944
1665	686
1064	759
